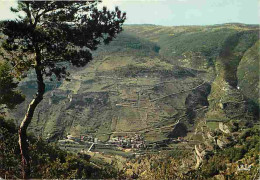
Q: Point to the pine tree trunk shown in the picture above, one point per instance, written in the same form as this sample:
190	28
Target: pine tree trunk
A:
23	143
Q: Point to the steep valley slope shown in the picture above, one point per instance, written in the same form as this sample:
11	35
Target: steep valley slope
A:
156	81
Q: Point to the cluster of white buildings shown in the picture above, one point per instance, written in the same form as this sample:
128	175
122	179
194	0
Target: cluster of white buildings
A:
133	142
136	141
83	138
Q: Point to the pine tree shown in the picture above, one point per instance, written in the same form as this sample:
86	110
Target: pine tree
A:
48	36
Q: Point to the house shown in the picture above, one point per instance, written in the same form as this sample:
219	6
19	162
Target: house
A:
74	138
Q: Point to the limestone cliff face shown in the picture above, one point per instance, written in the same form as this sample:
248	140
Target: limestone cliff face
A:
248	73
227	100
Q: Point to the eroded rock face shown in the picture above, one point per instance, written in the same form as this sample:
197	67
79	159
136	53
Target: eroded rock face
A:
248	73
224	128
180	130
196	100
226	100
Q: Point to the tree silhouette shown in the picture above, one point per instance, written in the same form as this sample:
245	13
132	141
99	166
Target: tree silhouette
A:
48	36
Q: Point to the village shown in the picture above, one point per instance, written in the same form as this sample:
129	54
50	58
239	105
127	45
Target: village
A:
135	142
